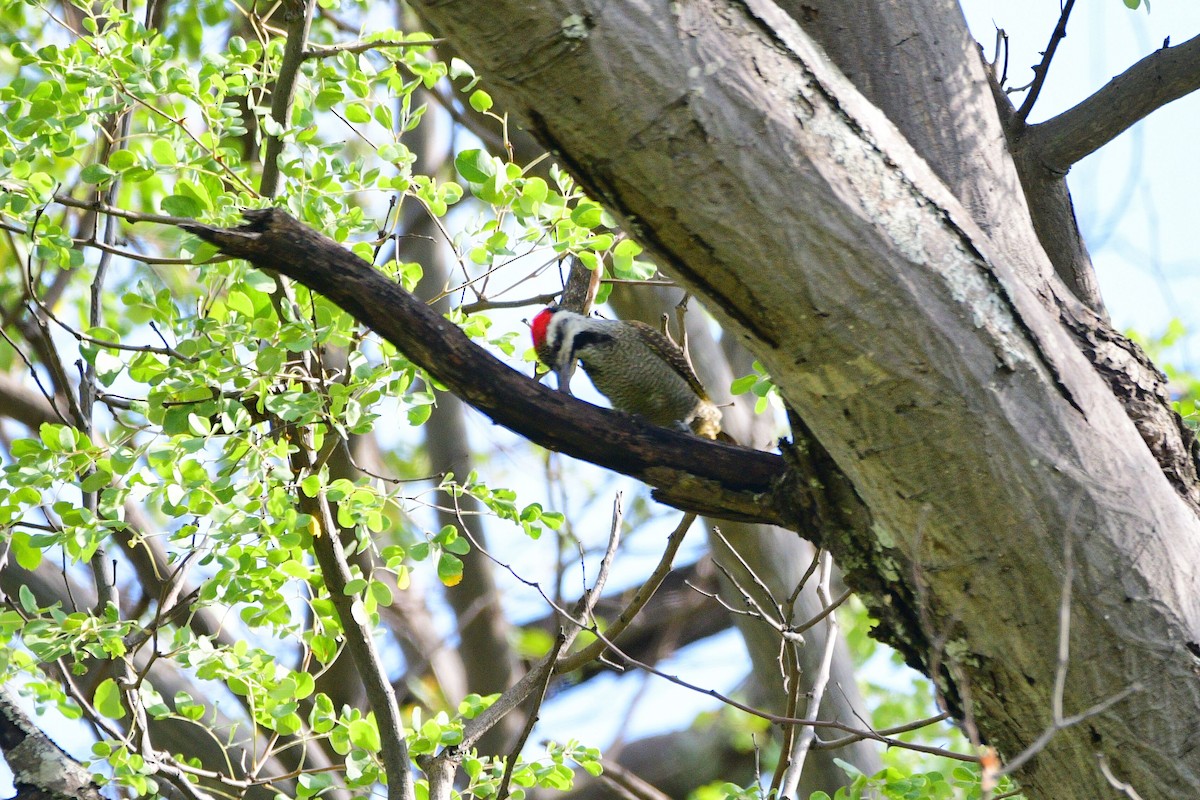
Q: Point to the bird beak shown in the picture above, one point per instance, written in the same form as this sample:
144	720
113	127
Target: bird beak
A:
564	373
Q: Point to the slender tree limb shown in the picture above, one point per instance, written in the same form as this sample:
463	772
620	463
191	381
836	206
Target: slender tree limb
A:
1043	69
298	14
808	735
327	547
627	785
1160	78
690	473
442	767
363	47
614	538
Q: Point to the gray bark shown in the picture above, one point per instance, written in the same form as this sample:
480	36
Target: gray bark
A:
931	362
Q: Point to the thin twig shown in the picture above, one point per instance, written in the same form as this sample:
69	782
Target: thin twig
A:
640	598
817	691
1113	781
488	305
284	90
833	744
1062	665
627	785
363	47
614	538
540	697
1043	69
778	719
749	571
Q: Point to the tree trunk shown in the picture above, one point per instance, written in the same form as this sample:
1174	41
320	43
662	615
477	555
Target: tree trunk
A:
946	373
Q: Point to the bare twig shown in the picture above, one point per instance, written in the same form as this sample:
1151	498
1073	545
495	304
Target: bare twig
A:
779	719
1062	665
628	786
640	598
753	576
363	47
132	216
488	305
1043	69
511	762
804	741
1160	78
833	744
614	538
442	765
1115	782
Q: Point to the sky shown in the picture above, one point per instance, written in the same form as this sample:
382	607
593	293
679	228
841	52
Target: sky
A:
1134	198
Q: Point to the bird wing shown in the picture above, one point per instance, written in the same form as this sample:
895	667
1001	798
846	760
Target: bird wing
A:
671	353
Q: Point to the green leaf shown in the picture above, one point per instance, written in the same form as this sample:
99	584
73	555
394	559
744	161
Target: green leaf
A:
475	166
418	415
381	592
27	555
67	438
96	173
480	100
28	601
459	546
364	734
122	160
449	569
460	69
358	113
179	206
163	152
240	302
311	485
587	214
108	699
743	384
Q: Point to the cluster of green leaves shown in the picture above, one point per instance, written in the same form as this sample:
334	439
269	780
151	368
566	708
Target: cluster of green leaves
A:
757	383
891	783
211	378
553	771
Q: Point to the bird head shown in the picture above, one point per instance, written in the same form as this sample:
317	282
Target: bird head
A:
540	328
549	344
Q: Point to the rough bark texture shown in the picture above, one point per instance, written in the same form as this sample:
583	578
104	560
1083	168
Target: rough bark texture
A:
41	769
918	64
929	362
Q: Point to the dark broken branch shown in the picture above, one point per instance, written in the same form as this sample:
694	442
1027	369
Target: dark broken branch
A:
688	472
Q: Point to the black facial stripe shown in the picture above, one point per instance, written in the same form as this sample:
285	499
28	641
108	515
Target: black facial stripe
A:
553	341
587	339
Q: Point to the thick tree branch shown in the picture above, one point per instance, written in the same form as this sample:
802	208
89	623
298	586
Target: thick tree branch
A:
41	769
944	386
1160	78
689	472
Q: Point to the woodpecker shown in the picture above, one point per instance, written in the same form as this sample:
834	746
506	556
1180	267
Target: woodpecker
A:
637	368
